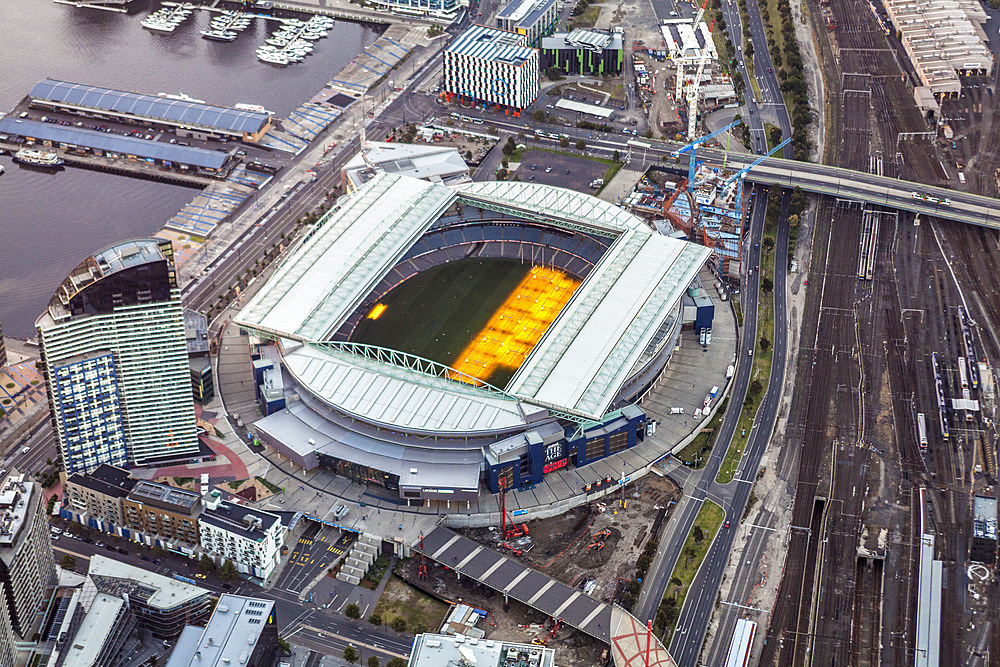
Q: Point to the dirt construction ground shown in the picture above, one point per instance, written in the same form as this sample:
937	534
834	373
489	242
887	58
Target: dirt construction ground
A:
565	547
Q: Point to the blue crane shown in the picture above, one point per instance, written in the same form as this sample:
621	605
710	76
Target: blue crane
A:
693	145
741	174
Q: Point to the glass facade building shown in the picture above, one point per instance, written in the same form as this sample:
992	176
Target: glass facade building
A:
115	360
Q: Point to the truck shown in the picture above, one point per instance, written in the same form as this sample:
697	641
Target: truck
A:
714	392
730	371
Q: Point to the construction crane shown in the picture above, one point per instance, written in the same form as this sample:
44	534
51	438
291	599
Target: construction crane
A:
690	148
741	174
680	65
692	98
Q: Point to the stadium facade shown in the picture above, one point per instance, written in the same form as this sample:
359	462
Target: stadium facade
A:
424	428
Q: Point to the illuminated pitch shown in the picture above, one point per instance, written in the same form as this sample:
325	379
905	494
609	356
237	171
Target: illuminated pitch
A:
517	325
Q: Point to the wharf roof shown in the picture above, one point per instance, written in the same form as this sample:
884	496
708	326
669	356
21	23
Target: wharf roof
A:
230	636
427	162
447	650
114	143
155	590
149	106
234	519
525	12
487	43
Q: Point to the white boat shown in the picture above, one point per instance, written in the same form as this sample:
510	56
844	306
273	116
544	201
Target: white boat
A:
219	35
159	27
279	43
181	97
35	158
273	58
256	108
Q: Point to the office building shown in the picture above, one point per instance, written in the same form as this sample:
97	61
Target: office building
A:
115	362
94	631
446	650
531	18
160	604
163	514
486	66
249	537
583	51
242	631
96	500
27	568
202	382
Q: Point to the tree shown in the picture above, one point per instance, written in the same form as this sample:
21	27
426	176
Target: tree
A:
766	284
375	618
675	581
764	343
228	571
68	562
564	142
616	157
353	611
755	387
698	534
351	655
396	662
539	115
286	648
206	564
554	73
398	624
581	144
509	147
373	661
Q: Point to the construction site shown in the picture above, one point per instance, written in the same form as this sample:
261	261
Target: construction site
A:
593	549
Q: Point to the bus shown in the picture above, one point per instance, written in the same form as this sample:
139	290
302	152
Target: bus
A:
922	430
739	648
963	377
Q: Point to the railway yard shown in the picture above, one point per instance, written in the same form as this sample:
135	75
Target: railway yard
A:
901	314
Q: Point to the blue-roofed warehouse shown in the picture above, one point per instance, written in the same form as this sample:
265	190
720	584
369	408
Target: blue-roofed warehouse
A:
182	158
185	117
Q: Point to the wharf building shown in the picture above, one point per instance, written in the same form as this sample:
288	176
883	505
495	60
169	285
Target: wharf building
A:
437	164
185	118
242	631
531	18
486	66
583	51
27	568
249	537
115	362
162	605
427	429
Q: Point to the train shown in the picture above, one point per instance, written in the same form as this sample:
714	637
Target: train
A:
922	430
930	199
963	376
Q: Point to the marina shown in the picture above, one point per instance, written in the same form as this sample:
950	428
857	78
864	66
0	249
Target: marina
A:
167	18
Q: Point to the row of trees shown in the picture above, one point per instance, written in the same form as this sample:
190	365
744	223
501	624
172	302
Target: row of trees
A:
787	61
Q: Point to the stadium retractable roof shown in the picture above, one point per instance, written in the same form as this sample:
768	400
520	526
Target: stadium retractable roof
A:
576	369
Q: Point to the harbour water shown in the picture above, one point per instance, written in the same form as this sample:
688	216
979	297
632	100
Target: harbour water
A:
50	222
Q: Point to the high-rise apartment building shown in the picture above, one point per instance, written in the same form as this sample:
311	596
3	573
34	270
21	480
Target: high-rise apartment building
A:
27	567
115	360
489	66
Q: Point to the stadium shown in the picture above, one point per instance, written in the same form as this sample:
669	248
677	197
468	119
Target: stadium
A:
432	339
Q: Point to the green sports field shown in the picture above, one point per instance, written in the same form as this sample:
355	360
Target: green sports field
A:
436	313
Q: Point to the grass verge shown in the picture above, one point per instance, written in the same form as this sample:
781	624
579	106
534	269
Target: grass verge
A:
400	600
706	524
761	372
